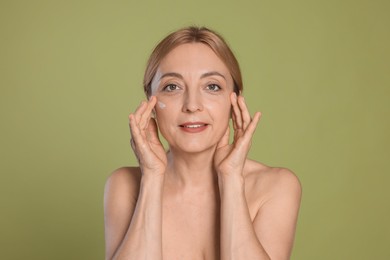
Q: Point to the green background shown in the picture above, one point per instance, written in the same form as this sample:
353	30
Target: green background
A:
71	71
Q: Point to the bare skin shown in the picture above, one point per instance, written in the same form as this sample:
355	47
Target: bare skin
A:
203	199
199	237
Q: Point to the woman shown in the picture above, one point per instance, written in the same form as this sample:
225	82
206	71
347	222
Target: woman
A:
203	199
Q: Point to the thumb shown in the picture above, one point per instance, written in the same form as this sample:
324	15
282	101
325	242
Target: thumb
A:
225	138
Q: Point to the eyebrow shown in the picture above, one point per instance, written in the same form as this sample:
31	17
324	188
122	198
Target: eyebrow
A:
204	75
171	74
212	73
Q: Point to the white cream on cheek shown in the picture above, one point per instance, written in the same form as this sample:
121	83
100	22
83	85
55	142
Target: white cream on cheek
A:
154	87
161	105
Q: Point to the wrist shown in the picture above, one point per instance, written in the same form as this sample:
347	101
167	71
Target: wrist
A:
152	173
231	176
233	182
152	178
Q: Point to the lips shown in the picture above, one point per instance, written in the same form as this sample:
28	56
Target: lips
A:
193	127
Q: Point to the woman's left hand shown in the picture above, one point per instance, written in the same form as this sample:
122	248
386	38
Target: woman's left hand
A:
229	159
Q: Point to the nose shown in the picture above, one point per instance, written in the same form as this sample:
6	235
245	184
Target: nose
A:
192	102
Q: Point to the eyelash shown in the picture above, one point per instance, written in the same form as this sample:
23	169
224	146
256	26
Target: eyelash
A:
214	85
167	87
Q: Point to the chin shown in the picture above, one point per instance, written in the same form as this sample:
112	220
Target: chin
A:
191	147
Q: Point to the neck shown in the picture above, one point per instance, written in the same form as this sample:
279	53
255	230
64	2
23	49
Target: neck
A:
191	169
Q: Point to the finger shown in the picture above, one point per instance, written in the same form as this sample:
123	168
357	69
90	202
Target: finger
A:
234	121
246	118
225	138
146	115
139	111
236	112
242	145
136	133
133	146
142	147
153	136
131	118
132	125
250	130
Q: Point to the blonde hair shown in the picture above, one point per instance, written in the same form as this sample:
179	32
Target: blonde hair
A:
193	34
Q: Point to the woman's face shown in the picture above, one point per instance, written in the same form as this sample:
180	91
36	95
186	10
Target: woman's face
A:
193	88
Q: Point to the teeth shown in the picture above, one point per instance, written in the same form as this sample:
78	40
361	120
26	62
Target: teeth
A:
193	126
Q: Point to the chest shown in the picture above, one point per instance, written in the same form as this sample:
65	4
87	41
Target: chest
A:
191	228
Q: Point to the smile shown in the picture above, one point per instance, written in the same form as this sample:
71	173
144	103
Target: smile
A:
193	127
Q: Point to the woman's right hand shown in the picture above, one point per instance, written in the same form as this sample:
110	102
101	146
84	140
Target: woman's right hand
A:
145	142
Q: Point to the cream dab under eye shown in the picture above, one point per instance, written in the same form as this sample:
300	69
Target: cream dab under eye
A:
161	104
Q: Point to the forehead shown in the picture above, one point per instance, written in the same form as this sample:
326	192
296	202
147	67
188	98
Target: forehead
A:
192	57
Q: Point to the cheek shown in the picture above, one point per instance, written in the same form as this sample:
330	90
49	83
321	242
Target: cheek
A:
220	108
161	105
163	113
167	106
222	105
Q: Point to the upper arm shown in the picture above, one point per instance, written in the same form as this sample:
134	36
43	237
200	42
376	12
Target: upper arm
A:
120	197
276	219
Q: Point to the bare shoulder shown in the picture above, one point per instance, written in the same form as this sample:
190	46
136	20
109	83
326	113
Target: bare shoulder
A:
126	174
124	182
273	195
264	182
120	197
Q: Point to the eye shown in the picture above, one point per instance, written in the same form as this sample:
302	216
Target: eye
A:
213	87
170	87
